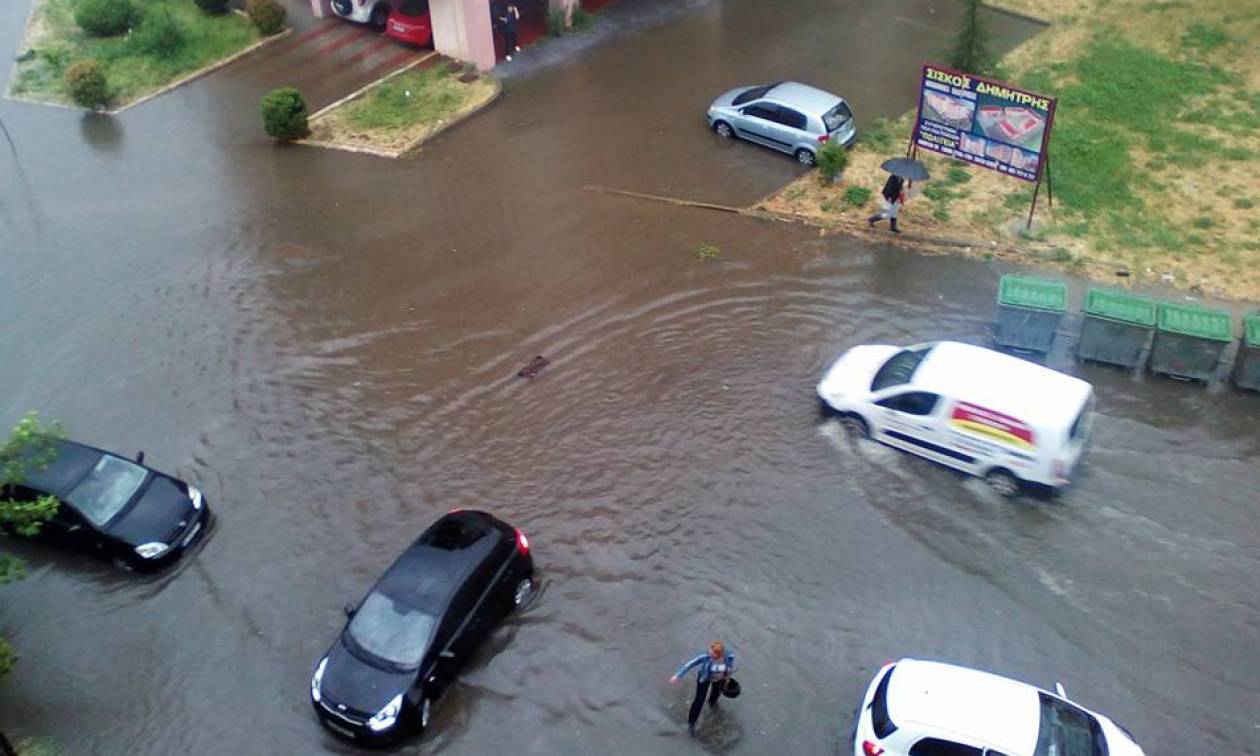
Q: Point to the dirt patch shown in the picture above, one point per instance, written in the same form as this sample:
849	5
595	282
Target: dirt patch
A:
342	126
1185	213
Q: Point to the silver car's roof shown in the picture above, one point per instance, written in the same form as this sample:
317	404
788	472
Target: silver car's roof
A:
803	97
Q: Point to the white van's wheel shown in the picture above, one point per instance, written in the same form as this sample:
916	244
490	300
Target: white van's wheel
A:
855	426
1002	482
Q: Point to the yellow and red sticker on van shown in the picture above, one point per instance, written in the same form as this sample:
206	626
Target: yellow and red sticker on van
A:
994	425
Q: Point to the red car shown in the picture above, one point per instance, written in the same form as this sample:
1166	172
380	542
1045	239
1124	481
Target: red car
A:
410	23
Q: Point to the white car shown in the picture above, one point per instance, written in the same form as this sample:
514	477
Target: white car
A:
374	13
925	708
986	413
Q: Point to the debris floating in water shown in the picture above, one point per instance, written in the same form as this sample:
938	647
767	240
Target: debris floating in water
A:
534	367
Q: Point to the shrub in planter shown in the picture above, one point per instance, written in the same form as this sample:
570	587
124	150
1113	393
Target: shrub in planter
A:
267	15
284	114
86	83
832	159
213	6
160	35
104	18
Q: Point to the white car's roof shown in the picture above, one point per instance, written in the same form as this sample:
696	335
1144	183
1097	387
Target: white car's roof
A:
1003	383
940	699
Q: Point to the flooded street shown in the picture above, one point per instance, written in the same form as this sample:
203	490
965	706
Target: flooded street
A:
327	345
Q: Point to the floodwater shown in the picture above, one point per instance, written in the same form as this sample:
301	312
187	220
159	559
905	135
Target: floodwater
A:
327	345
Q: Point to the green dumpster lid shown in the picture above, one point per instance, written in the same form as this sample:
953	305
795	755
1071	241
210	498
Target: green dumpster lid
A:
1037	293
1120	305
1199	322
1251	330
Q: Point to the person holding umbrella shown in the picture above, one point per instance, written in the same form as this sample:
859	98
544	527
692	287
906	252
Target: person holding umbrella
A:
901	173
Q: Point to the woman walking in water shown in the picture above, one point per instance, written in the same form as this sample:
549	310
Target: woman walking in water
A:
715	668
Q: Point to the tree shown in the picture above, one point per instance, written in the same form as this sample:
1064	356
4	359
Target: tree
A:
971	53
31	446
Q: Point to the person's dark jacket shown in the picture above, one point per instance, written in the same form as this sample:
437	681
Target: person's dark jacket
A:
892	188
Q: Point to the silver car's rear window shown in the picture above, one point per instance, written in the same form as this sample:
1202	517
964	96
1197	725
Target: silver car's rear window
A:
837	116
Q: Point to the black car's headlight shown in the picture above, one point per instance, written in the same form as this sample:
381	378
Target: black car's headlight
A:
388	716
317	680
152	550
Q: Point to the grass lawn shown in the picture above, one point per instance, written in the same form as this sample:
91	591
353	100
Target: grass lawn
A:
132	67
1152	155
401	111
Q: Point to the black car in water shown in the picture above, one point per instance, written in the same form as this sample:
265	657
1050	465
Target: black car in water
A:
422	620
114	507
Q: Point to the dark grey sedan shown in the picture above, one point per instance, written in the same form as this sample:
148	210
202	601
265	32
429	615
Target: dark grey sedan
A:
787	116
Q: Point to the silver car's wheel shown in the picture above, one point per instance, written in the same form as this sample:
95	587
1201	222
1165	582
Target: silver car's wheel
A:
524	590
723	129
805	157
1002	482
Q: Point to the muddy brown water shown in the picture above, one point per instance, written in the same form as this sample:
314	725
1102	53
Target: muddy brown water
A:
327	344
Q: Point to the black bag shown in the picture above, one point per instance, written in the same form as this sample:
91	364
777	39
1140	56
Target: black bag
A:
730	688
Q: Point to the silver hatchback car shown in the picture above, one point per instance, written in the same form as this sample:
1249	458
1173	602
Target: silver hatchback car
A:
787	116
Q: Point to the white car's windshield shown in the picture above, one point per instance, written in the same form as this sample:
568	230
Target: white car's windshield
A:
107	489
900	368
1068	731
391	630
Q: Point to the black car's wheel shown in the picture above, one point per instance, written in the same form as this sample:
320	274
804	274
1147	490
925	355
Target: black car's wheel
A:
524	590
855	426
380	14
1002	482
723	129
805	157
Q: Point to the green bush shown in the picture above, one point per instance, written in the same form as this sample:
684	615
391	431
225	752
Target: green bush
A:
160	35
284	114
86	83
267	15
104	18
832	159
582	19
555	22
857	196
213	6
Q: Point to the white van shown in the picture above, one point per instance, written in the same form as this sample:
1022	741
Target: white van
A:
1004	419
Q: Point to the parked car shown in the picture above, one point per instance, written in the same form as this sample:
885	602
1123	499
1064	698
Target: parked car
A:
925	708
374	13
115	507
404	642
786	116
410	23
986	413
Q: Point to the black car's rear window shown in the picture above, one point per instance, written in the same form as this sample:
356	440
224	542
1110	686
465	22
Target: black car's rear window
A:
837	117
880	719
755	93
900	368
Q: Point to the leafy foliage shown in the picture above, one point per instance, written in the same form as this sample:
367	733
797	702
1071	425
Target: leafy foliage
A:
160	35
104	18
86	83
832	159
267	15
213	6
857	196
971	53
284	114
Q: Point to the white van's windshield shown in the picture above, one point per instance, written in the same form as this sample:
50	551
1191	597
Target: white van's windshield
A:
900	367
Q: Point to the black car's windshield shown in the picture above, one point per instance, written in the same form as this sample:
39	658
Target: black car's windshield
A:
900	367
748	95
391	630
837	117
1068	731
107	489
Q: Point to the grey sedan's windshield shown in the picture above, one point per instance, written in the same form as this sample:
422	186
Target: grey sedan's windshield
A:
1068	731
107	489
391	630
748	95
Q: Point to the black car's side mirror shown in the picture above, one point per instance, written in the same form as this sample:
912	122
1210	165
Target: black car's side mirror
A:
349	609
140	457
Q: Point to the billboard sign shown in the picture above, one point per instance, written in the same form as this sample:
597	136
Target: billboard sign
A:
983	121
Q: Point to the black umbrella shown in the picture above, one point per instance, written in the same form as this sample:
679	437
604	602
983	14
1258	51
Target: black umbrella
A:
906	168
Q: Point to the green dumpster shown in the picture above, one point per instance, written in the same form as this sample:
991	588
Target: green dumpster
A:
1116	327
1247	365
1189	341
1029	311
